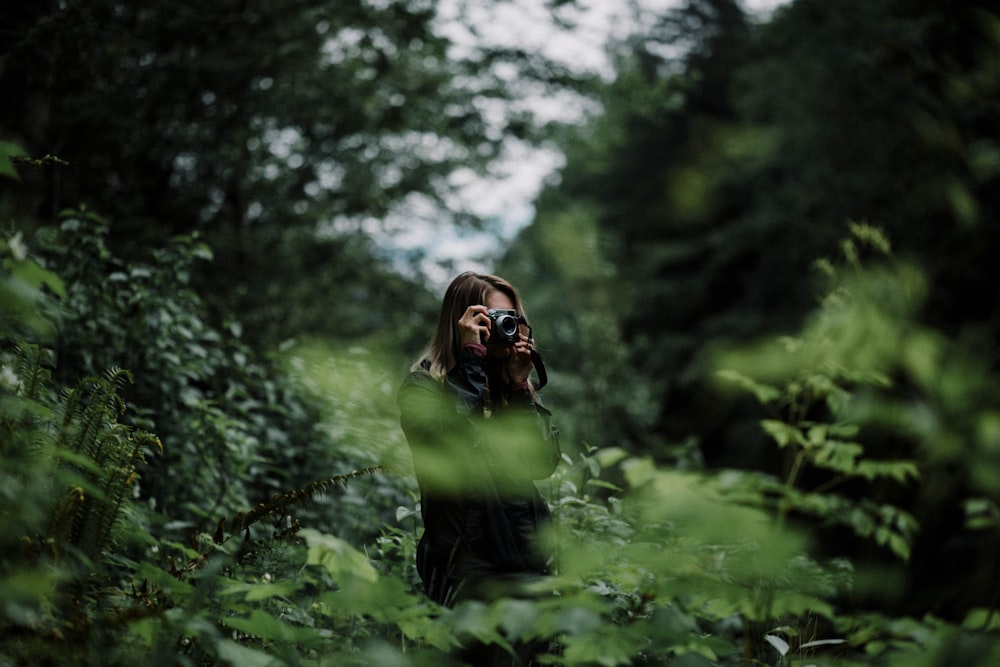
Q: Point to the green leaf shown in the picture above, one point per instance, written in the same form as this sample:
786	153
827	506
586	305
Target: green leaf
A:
609	456
762	392
203	251
601	484
899	545
474	618
601	648
338	557
816	435
986	620
238	655
8	151
639	471
577	620
838	456
900	471
165	581
256	592
34	276
422	627
782	433
385	600
265	626
823	642
403	513
779	644
517	618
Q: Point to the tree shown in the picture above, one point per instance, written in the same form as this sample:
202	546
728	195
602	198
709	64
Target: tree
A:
714	181
718	175
278	130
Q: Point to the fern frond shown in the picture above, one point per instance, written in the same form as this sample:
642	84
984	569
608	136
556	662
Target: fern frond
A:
91	415
64	514
32	367
117	378
117	484
103	453
280	502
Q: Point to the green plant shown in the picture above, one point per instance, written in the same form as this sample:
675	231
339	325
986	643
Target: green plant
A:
850	399
260	588
233	425
70	469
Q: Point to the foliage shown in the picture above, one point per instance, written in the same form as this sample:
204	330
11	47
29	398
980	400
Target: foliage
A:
729	156
69	581
355	388
285	132
577	316
224	418
316	105
870	371
655	565
824	369
69	472
848	513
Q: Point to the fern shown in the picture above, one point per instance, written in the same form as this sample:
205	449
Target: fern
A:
119	483
277	506
278	503
102	454
32	367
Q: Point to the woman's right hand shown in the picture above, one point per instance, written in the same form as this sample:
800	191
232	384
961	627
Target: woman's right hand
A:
474	325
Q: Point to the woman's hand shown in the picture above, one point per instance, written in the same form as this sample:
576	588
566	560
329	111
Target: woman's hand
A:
519	363
474	325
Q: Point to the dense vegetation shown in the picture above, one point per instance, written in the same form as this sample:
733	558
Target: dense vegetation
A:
764	285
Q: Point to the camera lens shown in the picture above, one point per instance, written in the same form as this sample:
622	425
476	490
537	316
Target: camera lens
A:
507	325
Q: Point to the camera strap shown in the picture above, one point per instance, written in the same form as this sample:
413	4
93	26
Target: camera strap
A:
543	377
536	359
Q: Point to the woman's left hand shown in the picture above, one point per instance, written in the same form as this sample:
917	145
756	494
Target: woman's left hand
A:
519	364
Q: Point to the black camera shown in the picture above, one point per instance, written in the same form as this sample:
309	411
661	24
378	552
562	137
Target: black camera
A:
505	328
504	325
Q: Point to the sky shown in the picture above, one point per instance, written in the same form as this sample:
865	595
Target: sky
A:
506	198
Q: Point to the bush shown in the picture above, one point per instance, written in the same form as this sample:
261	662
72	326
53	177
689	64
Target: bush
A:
234	427
680	566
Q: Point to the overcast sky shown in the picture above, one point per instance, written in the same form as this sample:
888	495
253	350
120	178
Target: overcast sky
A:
507	199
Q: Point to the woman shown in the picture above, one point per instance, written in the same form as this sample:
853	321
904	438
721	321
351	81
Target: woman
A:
479	436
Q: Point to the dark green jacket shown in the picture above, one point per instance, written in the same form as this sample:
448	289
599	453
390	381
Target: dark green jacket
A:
476	453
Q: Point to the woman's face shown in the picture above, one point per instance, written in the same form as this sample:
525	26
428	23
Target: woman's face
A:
497	300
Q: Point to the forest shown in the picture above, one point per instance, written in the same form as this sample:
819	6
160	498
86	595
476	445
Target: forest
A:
763	279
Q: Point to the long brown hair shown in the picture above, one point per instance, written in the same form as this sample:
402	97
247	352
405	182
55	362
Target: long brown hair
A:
467	289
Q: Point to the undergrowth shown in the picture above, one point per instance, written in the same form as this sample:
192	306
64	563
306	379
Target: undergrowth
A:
655	564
